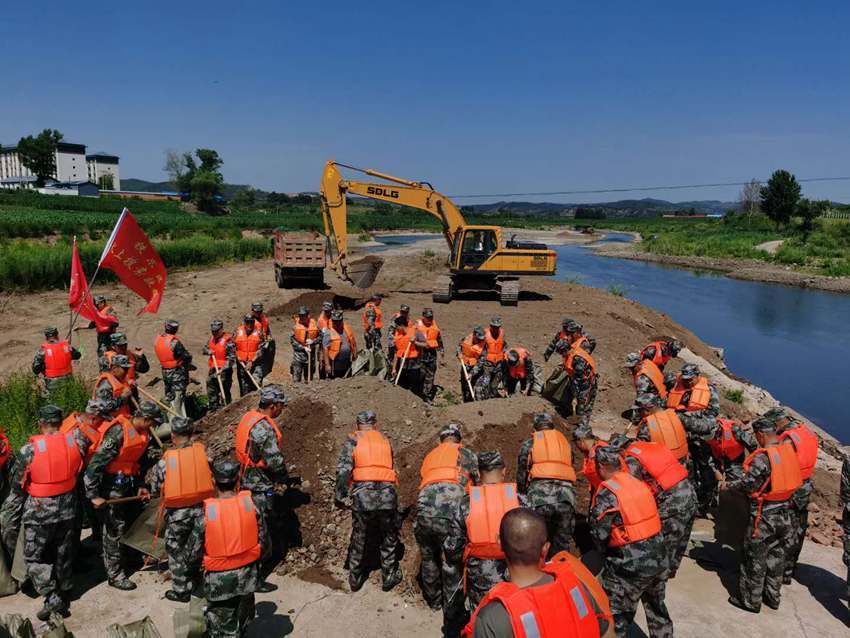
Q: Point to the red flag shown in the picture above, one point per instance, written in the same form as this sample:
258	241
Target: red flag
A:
79	298
130	255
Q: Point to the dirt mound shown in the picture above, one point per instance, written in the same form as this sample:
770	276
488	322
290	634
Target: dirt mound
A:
314	301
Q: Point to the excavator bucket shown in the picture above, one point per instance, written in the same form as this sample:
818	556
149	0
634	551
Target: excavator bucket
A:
362	273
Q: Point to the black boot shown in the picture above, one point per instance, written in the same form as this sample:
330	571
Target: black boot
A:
176	597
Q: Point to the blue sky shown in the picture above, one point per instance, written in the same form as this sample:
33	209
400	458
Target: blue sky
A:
484	97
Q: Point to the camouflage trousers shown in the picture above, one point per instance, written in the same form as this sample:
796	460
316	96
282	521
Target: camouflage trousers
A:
299	367
764	555
800	523
372	339
214	399
482	575
584	397
382	524
339	367
229	618
175	381
845	525
114	521
246	386
428	360
184	561
676	527
480	384
263	503
625	591
49	554
495	373
560	523
54	385
702	474
441	581
411	376
104	342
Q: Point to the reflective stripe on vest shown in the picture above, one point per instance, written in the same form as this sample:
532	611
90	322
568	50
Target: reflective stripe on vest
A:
188	479
57	359
723	444
133	447
74	422
487	505
551	457
243	437
805	443
247	344
441	465
373	458
666	428
231	533
302	332
495	345
659	462
654	374
164	351
637	509
55	465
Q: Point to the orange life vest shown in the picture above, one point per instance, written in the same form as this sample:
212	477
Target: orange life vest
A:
73	422
118	388
666	428
654	374
700	395
131	358
724	445
188	479
659	358
335	344
107	328
302	332
231	533
247	343
805	444
324	321
562	608
132	449
165	354
569	360
5	450
518	371
487	505
56	462
57	359
551	457
659	462
373	458
218	348
402	336
243	437
471	352
263	322
379	316
441	465
637	508
589	467
495	345
785	476
432	333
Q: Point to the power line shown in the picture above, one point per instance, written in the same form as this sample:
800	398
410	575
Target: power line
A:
637	189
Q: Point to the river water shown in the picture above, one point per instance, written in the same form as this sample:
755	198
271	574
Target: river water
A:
794	342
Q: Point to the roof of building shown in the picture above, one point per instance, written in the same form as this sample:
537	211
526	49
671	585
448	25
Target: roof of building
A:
103	156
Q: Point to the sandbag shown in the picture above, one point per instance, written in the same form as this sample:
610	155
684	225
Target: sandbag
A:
16	626
140	535
190	623
373	363
144	628
556	386
19	565
732	519
8	585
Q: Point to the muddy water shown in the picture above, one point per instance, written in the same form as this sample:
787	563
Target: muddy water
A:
791	341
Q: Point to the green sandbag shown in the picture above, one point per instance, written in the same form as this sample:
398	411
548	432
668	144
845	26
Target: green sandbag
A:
373	363
190	623
144	628
16	626
556	385
19	565
141	533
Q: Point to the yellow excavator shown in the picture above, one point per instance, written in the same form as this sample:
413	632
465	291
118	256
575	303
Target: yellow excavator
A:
479	260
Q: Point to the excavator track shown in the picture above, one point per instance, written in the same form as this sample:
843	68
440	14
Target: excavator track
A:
509	292
442	292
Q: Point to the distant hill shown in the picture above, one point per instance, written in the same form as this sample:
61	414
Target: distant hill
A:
647	207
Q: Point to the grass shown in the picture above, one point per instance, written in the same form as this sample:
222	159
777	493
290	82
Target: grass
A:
735	396
20	400
618	290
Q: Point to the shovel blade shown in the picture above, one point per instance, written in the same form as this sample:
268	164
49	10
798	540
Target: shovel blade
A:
362	273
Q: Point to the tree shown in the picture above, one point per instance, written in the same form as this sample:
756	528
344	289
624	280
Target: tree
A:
244	198
174	167
206	191
809	211
202	183
38	154
750	197
106	182
210	161
780	197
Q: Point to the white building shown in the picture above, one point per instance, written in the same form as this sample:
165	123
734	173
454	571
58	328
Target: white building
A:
72	165
101	164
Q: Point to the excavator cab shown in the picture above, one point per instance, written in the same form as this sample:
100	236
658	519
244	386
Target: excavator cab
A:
476	246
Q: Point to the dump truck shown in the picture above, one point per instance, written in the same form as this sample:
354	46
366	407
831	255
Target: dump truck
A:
299	259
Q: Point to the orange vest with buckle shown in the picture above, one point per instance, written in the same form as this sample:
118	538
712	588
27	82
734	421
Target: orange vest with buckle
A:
402	336
188	479
588	469
165	354
495	345
432	333
373	458
551	457
131	358
302	332
487	506
118	388
724	445
335	344
132	449
379	316
654	374
659	462
659	358
471	352
218	348
5	450
57	359
700	396
247	343
263	322
570	357
805	443
637	508
441	465
243	437
666	428
561	609
518	371
785	475
73	422
231	533
324	321
56	462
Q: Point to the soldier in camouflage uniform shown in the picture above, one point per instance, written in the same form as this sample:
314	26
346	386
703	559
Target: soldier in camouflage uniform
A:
553	499
175	380
522	373
180	522
478	375
374	511
229	593
440	579
770	529
101	485
845	516
634	572
48	522
118	345
643	384
660	352
481	573
304	354
10	513
571	331
225	372
52	383
583	383
403	311
104	336
372	331
103	391
428	355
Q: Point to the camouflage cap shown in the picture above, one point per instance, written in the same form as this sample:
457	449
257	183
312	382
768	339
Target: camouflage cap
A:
303	311
512	357
646	400
257	306
367	416
496	322
583	431
451	429
669	378
491	460
619	441
566	321
776	414
50	413
336	315
428	313
632	360
119	360
172	324
99	299
149	410
118	339
608	455
272	394
216	325
572	326
478	332
225	471
248	319
764	424
543	421
404	308
182	425
689	371
675	346
51	331
327	305
98	407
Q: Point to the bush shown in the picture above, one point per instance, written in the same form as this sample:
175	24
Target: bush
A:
735	396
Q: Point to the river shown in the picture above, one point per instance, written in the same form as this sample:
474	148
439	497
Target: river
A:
794	342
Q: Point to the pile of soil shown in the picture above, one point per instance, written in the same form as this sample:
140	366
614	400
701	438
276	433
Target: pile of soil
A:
314	301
